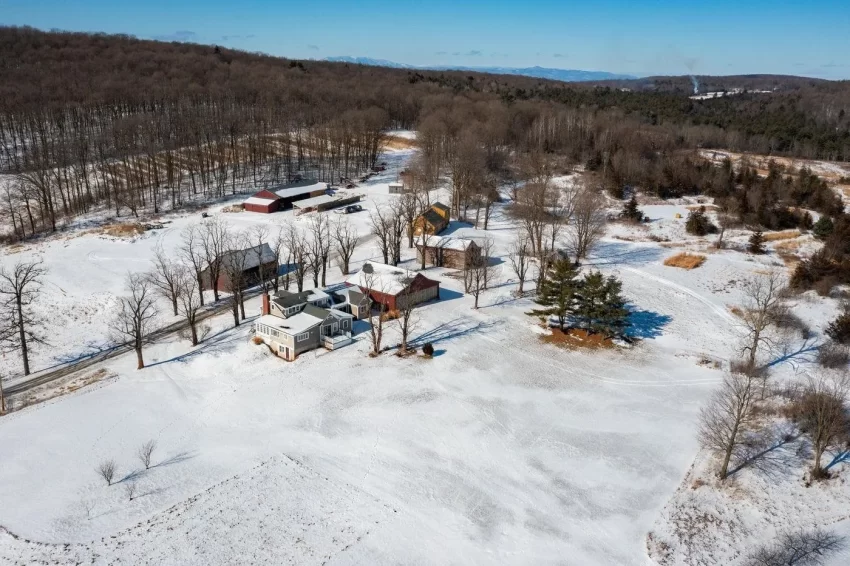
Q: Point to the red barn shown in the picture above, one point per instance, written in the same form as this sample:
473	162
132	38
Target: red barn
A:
264	202
392	286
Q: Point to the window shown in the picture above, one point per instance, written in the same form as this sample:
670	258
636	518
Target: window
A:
303	336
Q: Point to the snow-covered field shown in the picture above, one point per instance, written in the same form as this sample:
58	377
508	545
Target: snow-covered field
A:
500	450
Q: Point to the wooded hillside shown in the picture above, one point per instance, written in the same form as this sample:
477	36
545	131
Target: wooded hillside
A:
93	120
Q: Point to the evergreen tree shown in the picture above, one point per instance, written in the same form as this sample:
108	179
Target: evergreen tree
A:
823	228
839	329
558	292
698	223
631	211
600	305
756	243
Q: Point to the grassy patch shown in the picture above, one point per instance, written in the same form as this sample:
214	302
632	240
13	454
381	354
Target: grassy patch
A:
685	260
783	235
127	230
577	338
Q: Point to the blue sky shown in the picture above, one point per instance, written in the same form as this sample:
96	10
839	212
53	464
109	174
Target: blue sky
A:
640	37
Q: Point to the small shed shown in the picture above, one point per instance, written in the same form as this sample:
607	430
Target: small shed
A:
264	202
396	188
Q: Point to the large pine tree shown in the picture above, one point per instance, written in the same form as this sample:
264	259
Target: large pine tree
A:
558	292
600	307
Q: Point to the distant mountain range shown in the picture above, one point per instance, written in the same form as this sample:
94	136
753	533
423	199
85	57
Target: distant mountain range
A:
566	75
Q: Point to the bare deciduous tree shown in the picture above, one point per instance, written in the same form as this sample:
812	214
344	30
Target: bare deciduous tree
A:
588	222
278	245
518	255
372	282
346	240
130	489
320	231
192	251
106	470
802	548
258	235
145	452
137	314
188	302
19	287
762	308
215	241
724	420
407	319
233	263
382	219
300	256
166	277
824	417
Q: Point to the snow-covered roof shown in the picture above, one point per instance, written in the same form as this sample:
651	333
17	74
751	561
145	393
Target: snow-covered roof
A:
249	258
299	189
259	200
384	278
315	201
296	324
445	242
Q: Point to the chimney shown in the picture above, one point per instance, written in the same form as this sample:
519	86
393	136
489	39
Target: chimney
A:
266	307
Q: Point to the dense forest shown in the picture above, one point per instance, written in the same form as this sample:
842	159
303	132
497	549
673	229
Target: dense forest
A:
93	120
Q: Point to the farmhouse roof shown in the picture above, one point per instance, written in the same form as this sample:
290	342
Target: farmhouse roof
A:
384	278
249	258
293	325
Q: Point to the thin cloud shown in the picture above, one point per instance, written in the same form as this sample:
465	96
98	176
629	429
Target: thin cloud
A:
179	35
312	47
441	53
473	53
558	55
229	37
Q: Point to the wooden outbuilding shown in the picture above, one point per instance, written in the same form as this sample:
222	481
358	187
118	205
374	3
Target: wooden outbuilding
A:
446	251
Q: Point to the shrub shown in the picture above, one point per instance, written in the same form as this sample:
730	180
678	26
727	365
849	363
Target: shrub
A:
257	340
428	349
685	260
823	228
755	244
698	223
833	356
839	329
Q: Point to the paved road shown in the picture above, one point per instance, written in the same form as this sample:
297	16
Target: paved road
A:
46	376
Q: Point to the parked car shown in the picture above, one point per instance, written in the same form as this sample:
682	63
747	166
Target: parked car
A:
353	208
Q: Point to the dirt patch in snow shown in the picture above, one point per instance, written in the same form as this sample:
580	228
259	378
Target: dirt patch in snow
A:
577	338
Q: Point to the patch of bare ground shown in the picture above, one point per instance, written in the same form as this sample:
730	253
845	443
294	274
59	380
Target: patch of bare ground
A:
125	230
685	260
577	338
